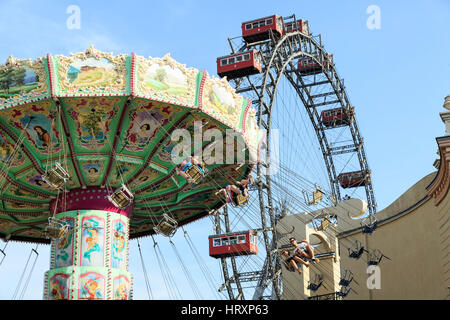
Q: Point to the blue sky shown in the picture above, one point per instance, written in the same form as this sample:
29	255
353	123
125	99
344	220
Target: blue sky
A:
397	76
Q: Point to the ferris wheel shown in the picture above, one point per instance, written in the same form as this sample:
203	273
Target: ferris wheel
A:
313	154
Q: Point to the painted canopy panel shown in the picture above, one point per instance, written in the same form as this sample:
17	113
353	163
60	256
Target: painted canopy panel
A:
110	120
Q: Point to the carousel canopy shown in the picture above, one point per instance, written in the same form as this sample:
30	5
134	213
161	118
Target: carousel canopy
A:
109	121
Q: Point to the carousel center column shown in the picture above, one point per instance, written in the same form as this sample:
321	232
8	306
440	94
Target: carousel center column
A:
90	261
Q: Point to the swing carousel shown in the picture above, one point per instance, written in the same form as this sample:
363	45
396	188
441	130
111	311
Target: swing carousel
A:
87	145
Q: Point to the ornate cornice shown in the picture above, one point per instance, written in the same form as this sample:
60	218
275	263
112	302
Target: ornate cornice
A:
439	187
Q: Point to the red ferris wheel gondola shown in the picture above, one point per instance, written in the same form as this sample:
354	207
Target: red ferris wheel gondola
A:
307	65
239	65
257	30
233	244
302	26
336	117
354	179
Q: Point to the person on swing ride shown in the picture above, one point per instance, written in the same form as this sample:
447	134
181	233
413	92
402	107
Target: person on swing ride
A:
185	165
290	261
303	250
231	191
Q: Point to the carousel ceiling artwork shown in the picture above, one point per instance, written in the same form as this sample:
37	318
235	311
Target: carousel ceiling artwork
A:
109	120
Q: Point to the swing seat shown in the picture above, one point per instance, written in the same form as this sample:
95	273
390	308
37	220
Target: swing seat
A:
369	224
356	254
323	224
241	201
375	257
318	280
356	250
196	173
343	293
369	229
56	177
121	198
344	282
317	196
346	279
55	230
315	286
167	226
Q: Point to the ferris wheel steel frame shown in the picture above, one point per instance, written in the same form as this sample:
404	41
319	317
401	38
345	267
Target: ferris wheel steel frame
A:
277	57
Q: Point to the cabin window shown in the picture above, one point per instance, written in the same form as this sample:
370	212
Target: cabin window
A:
231	60
238	58
268	21
216	242
248	26
255	25
223	62
246	57
241	239
233	240
225	241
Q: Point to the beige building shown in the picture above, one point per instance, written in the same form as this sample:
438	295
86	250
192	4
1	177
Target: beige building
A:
409	249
